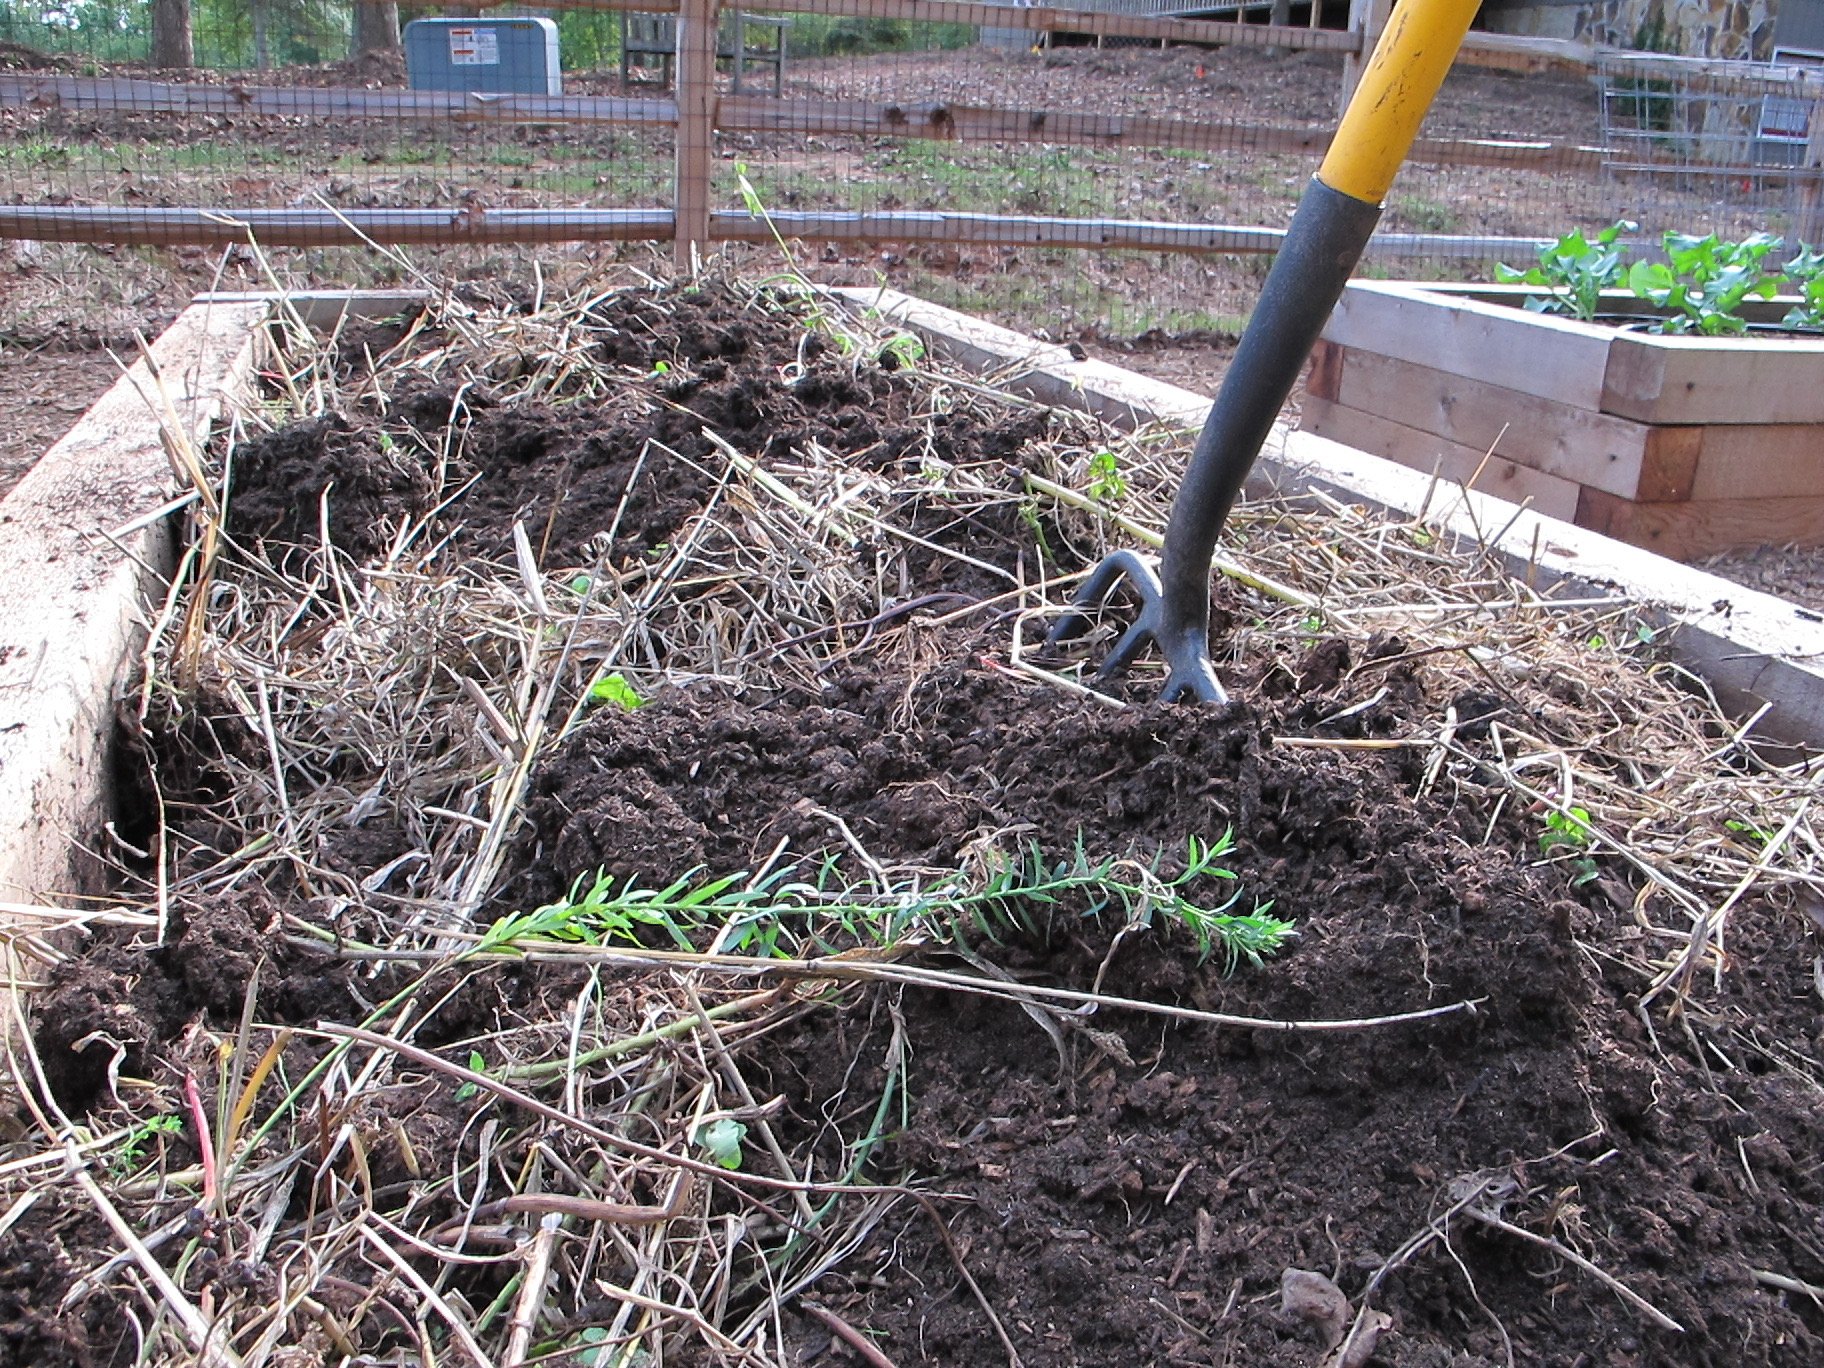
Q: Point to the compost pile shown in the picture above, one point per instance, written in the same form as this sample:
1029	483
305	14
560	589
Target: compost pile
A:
625	883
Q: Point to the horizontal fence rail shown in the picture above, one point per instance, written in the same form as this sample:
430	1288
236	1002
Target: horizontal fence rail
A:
329	227
941	121
681	146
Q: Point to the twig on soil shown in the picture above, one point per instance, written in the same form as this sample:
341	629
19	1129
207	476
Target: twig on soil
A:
854	967
848	1334
1476	1212
962	1267
1785	1284
197	1329
531	1301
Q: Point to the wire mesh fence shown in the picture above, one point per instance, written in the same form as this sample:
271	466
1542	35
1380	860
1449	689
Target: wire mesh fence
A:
1733	147
952	149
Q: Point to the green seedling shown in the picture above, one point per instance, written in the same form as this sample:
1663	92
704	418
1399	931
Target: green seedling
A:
131	1153
478	1063
661	368
721	1140
1106	483
905	350
1568	832
1574	270
595	1349
614	688
1566	827
1029	514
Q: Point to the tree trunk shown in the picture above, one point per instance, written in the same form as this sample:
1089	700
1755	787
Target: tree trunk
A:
376	27
262	48
173	42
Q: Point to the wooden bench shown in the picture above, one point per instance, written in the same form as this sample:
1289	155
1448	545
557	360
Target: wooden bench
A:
656	35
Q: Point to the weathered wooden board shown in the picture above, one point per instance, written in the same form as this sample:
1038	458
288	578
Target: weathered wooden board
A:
1766	461
1487	342
72	592
1688	531
1041	370
1427	452
324	310
1703	380
1643	376
1753	649
1618	455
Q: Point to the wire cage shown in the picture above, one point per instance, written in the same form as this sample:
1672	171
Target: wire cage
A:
1704	146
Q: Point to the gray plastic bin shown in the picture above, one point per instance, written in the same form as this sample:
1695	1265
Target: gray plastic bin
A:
497	56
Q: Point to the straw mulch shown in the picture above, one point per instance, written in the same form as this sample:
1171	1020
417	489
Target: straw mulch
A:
397	1133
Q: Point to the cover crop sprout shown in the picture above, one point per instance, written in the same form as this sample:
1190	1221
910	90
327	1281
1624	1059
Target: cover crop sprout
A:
780	918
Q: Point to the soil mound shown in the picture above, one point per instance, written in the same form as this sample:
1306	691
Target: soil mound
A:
1139	1195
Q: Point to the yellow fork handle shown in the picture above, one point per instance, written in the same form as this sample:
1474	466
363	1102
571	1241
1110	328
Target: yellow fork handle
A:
1397	87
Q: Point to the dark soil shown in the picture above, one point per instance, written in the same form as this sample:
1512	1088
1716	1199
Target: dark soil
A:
1136	1196
145	1000
689	360
1276	1151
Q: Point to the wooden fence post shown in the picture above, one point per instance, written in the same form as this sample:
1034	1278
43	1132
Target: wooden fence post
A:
1367	18
696	97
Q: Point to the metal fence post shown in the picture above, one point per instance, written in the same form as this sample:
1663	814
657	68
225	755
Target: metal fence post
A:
696	99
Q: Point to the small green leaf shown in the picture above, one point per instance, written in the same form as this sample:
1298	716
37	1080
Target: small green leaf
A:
1646	278
721	1139
614	688
477	1064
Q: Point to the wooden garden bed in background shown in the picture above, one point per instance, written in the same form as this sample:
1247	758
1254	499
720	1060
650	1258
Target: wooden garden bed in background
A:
1685	445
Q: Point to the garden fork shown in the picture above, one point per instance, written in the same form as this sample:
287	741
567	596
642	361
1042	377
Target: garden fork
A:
1329	229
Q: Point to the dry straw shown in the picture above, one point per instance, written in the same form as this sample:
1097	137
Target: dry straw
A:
550	1183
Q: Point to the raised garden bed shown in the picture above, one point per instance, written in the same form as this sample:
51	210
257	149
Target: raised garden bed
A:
1686	445
388	716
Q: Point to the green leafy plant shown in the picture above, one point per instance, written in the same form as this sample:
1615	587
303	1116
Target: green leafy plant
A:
1035	523
614	688
1575	270
1806	272
781	917
1742	827
131	1153
1568	832
721	1140
1704	282
902	351
594	1348
1106	483
478	1063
